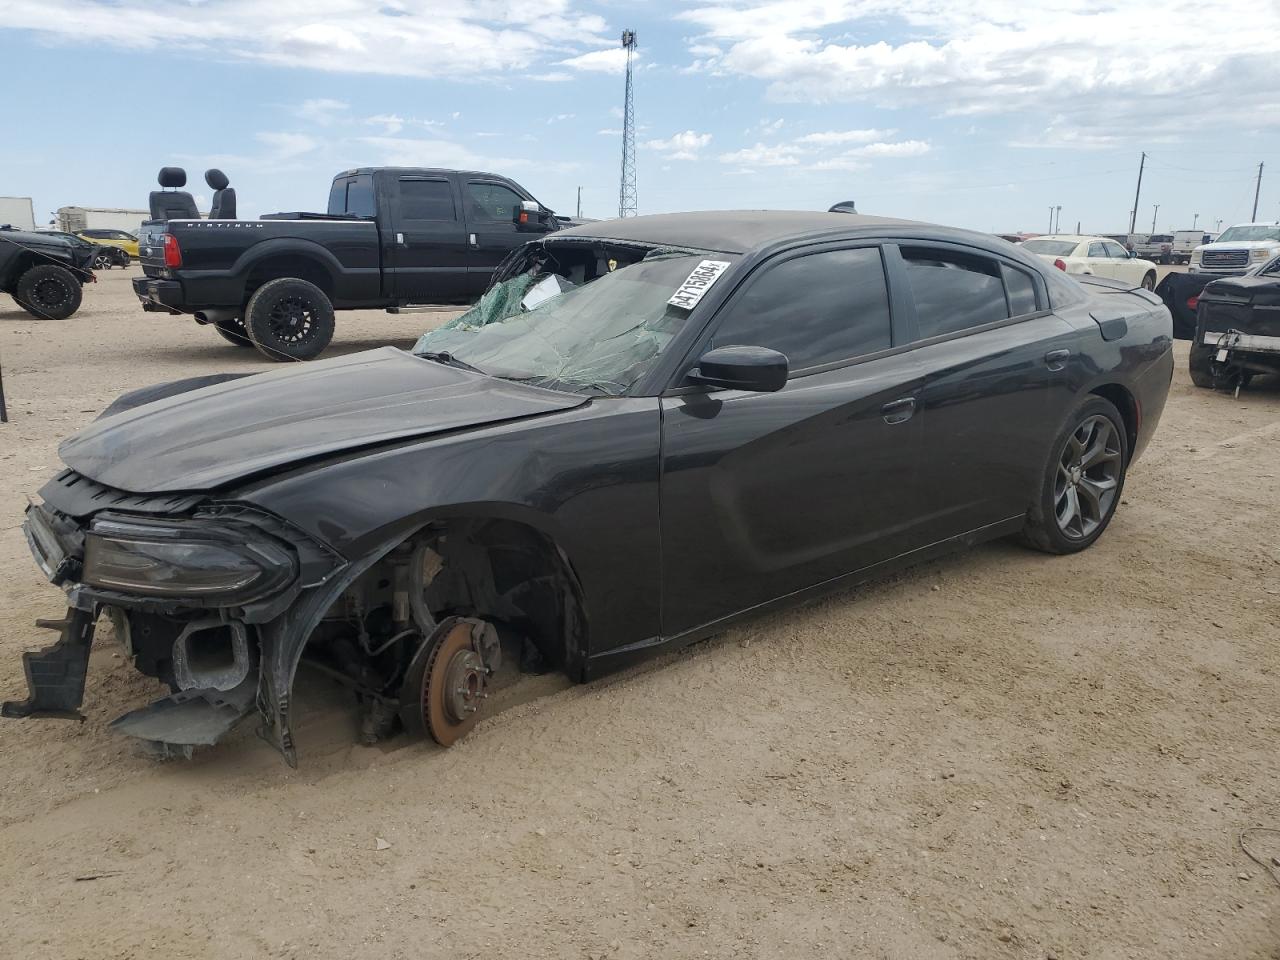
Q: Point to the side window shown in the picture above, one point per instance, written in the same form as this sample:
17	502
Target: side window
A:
426	200
1022	291
491	202
1115	251
360	200
816	309
953	291
1097	250
338	197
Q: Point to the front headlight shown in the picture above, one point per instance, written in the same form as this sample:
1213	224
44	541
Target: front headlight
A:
1197	256
1260	254
180	561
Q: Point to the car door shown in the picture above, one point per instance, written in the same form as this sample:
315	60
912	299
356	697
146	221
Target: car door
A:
1122	266
764	494
490	208
429	246
993	358
1098	263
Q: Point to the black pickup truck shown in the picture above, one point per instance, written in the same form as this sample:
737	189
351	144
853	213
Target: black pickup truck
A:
44	272
392	237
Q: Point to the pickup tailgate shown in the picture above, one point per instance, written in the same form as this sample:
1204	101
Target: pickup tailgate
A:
151	246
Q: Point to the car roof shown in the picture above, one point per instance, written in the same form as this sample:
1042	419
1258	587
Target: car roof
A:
1073	237
729	231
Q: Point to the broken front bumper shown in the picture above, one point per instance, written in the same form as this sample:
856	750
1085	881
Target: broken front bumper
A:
219	656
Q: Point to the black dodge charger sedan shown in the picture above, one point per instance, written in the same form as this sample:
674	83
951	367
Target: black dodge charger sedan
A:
645	430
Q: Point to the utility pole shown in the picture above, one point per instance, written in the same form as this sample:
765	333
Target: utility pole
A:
1133	217
579	203
1077	228
627	191
1194	221
1218	226
1051	218
1154	213
1257	190
1057	220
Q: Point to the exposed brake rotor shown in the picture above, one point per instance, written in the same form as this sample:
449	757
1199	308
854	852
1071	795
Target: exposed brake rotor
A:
453	681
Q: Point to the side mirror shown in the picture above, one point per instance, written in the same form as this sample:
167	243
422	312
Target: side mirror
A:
742	368
529	216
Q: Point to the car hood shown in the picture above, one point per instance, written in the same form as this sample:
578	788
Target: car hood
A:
214	435
1239	245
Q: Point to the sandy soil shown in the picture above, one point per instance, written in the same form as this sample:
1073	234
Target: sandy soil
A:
998	755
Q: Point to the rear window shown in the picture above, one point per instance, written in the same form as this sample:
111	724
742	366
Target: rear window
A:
1050	248
353	196
1022	291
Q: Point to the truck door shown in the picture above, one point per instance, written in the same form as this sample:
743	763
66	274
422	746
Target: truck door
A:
489	208
428	247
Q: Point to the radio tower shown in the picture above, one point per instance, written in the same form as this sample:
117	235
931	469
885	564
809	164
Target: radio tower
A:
627	192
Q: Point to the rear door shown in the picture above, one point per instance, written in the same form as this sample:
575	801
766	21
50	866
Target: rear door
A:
995	392
490	208
1099	264
429	242
764	494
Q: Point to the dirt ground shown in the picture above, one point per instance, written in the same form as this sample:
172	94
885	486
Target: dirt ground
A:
1000	755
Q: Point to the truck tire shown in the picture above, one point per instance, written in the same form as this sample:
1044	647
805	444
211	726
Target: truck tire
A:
1199	365
289	319
233	332
49	292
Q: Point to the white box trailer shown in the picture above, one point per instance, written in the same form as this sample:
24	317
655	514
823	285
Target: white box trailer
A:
18	212
75	219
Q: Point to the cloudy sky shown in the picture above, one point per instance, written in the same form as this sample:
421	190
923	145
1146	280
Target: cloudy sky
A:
975	114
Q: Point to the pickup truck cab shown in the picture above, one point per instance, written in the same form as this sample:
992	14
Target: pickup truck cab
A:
392	237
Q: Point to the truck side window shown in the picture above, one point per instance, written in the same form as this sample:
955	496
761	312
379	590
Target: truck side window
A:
492	202
426	200
360	200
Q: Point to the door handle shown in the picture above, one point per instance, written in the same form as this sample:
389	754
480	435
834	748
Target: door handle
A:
400	239
899	411
473	241
1057	359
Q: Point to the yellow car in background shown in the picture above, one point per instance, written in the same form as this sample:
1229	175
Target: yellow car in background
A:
119	239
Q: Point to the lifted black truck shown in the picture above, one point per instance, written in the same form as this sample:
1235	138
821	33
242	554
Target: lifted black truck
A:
44	273
392	237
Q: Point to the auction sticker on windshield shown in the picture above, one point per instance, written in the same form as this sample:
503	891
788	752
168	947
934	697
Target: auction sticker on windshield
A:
698	283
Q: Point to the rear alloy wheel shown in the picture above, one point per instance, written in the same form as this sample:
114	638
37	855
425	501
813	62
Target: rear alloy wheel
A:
289	319
49	292
233	332
1082	482
103	261
1149	282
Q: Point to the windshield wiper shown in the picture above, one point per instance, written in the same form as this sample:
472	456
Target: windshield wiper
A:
449	360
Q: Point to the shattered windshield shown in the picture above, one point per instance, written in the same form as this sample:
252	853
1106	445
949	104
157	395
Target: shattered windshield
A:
598	336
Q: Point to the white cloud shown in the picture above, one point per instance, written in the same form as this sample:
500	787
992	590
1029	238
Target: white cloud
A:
286	146
322	110
412	152
464	39
390	122
903	148
1103	65
778	155
610	132
561	117
686	145
845	136
611	60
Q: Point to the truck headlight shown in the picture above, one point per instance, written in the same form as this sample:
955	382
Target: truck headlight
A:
1197	256
180	561
1259	254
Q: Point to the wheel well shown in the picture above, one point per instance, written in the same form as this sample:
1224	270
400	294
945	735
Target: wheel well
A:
21	264
1123	401
273	268
505	572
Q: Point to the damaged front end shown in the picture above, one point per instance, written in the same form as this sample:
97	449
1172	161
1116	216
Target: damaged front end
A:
189	587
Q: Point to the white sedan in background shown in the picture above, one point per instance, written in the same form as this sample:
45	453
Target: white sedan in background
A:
1097	256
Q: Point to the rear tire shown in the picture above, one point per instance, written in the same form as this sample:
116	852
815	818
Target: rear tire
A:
1082	481
1149	281
1200	365
289	319
102	261
233	332
49	292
